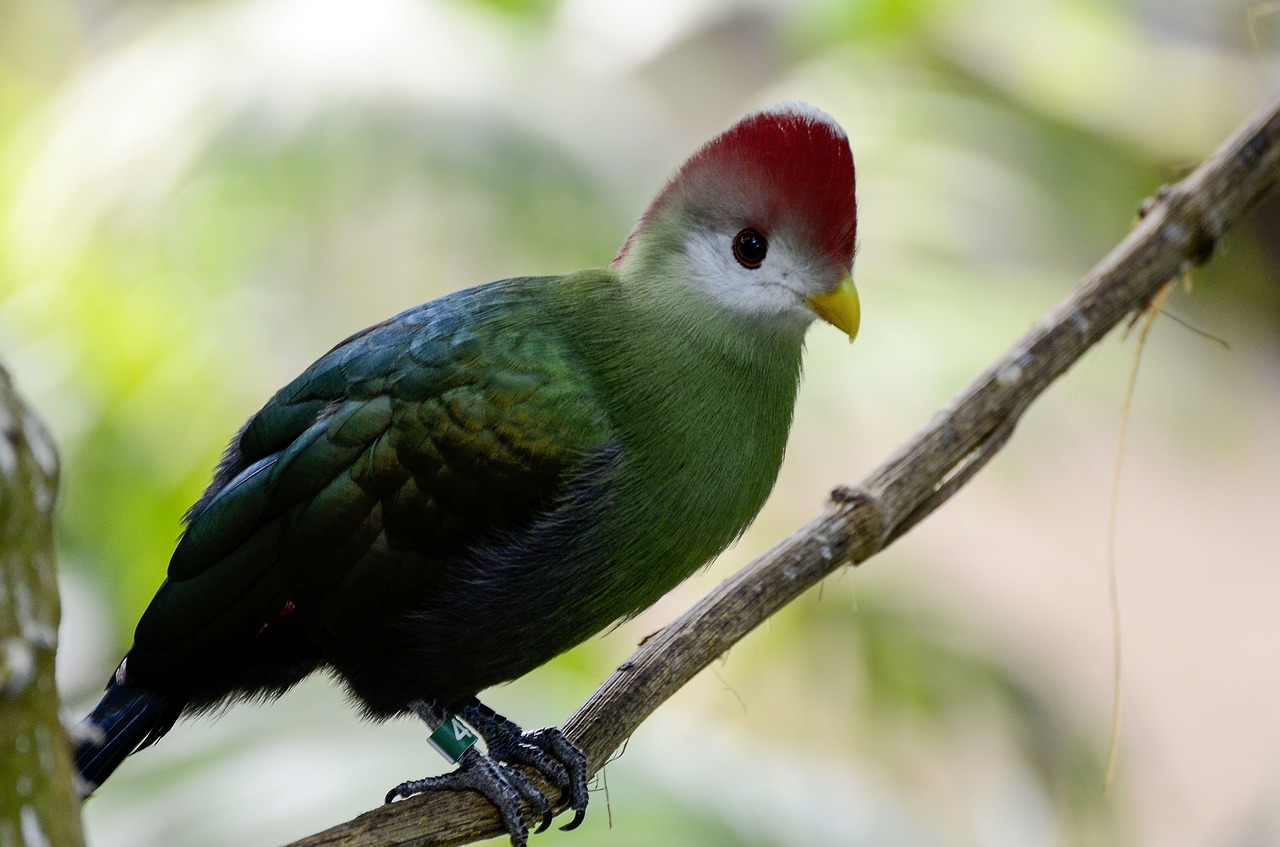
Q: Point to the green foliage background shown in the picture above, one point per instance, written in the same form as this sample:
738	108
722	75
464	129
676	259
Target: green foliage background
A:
197	199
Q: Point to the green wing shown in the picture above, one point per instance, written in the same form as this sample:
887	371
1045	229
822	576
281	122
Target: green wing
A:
403	446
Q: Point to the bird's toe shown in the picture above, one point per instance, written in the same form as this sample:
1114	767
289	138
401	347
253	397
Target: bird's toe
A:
571	762
506	789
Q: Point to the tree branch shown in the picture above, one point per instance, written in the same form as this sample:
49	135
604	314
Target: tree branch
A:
1178	230
37	803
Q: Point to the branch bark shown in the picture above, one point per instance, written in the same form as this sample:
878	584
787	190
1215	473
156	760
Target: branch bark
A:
1177	230
37	804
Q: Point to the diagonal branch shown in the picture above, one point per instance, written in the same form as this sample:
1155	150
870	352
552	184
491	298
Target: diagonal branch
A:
1178	230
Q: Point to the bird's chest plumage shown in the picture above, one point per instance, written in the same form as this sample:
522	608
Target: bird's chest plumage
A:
704	461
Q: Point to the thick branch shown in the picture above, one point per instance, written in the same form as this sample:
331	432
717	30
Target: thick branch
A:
37	804
1178	230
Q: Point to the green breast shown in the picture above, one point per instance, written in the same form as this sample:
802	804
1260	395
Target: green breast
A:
703	422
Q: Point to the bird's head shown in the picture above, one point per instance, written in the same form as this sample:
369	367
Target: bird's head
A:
761	222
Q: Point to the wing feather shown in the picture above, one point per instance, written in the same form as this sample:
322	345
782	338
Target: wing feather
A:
423	437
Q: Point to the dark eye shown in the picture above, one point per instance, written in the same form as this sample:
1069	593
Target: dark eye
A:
750	248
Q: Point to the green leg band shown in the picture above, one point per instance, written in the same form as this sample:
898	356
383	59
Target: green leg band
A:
453	738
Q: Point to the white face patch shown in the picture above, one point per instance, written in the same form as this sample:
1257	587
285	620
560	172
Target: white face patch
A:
775	292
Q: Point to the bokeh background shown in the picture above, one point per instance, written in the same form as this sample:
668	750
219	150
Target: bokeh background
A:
198	198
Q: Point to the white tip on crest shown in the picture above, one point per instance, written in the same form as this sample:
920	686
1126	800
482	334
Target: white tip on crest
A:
804	111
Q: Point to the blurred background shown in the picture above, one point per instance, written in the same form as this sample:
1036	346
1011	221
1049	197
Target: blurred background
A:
199	198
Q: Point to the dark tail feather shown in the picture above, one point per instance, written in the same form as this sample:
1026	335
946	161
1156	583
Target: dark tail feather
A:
126	719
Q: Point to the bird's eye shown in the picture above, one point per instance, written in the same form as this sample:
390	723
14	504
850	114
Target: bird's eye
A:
750	248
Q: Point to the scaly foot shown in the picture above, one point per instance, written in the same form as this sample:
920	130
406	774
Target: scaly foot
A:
547	751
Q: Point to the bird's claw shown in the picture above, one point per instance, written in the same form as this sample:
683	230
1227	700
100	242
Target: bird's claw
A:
547	751
570	763
496	775
505	788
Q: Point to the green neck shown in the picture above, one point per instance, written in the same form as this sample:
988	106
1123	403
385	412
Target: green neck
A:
713	376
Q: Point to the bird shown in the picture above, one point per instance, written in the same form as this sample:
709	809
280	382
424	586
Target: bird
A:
452	497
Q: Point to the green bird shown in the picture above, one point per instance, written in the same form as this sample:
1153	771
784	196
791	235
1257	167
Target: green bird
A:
450	498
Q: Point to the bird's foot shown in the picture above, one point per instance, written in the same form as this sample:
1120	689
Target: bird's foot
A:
547	751
505	788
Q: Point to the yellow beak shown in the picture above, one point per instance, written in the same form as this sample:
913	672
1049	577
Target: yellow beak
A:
839	307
